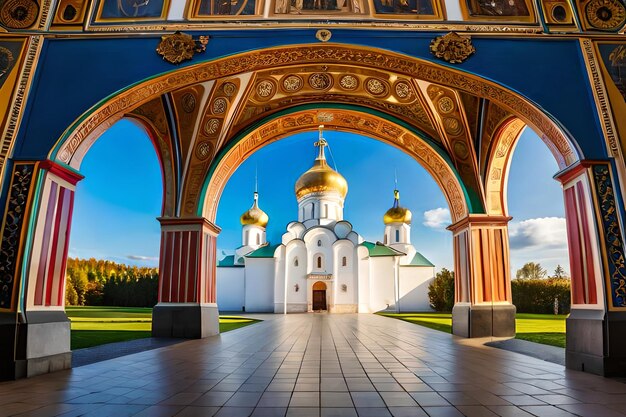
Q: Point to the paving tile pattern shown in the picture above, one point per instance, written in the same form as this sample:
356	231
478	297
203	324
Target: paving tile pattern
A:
320	365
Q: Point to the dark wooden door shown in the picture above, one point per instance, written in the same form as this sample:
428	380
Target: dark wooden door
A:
319	299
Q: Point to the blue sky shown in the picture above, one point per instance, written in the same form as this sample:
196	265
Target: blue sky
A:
120	198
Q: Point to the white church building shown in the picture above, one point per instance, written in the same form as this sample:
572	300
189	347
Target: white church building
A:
322	264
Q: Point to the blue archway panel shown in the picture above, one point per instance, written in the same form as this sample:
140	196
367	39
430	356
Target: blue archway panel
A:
76	74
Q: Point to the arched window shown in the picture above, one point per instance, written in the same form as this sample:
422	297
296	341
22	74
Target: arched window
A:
319	262
325	210
247	239
397	235
295	261
312	210
319	243
258	239
344	261
385	239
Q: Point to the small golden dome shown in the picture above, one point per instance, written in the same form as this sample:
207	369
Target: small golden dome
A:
321	177
397	214
254	216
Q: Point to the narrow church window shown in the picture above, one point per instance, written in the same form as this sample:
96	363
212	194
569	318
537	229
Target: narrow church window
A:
319	243
312	210
247	237
258	239
319	262
397	235
385	239
344	261
295	262
325	210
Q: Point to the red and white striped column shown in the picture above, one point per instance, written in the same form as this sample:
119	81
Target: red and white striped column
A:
48	256
187	298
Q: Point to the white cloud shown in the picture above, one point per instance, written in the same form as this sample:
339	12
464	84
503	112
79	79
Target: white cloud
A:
544	232
437	218
142	258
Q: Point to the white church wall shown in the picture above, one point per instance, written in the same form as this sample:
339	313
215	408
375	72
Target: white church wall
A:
363	271
414	281
230	288
344	286
260	285
296	272
279	279
382	290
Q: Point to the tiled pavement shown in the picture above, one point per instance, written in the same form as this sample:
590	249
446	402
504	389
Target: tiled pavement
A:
319	365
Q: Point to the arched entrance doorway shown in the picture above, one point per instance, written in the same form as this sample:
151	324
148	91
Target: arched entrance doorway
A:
209	117
319	296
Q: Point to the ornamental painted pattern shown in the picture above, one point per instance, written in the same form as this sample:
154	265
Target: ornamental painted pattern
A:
13	223
614	242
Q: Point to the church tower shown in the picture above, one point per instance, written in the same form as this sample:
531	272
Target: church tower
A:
398	225
254	221
320	191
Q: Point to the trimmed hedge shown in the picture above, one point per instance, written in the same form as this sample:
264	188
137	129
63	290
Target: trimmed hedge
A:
537	295
534	296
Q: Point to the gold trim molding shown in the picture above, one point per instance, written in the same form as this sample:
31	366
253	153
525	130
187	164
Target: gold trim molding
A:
342	120
329	53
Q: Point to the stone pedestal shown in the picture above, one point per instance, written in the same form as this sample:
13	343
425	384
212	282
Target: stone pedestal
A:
35	344
190	321
595	343
483	320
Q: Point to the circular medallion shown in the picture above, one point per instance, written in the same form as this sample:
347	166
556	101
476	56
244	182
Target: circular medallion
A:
219	105
292	83
403	90
445	105
19	14
211	126
203	150
265	89
375	87
229	89
605	14
320	81
6	60
189	103
452	126
460	149
349	82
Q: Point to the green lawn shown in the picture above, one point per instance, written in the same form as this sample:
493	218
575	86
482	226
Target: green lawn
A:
540	328
93	326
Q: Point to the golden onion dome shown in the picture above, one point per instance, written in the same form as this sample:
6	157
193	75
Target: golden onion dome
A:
321	177
397	214
255	216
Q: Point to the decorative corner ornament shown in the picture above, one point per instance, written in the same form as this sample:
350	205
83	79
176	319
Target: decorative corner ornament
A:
323	35
452	48
180	47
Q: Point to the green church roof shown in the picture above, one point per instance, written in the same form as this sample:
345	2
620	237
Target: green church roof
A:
378	249
419	260
228	261
266	251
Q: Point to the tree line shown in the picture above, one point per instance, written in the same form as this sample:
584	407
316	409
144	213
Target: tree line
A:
533	290
95	282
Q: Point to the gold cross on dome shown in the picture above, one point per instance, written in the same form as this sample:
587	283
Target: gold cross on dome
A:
321	142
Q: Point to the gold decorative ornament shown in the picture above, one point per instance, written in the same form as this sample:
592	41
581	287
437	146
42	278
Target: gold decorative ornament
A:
188	103
229	89
320	81
452	47
211	127
376	87
6	60
292	83
180	47
348	82
605	14
19	14
204	150
323	35
219	105
265	89
403	90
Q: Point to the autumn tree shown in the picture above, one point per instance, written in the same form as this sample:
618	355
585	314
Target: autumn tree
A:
531	270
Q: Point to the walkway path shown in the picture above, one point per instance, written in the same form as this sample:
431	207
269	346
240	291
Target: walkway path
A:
319	365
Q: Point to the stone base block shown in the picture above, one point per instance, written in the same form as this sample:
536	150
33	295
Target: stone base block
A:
38	344
595	343
483	320
186	321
